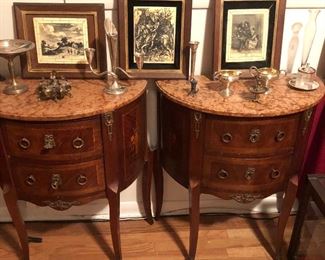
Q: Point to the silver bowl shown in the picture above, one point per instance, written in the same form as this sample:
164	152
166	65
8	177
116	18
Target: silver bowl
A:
9	49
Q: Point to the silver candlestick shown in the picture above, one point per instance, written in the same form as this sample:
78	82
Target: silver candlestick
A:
113	87
9	49
193	47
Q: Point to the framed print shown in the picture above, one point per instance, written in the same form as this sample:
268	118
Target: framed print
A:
160	31
61	33
248	33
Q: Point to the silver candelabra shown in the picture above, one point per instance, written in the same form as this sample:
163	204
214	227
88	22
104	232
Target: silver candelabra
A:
113	86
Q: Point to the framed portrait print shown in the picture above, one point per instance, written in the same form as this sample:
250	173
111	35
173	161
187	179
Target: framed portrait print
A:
158	30
248	33
61	32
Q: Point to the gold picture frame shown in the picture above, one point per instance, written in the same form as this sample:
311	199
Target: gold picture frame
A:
61	32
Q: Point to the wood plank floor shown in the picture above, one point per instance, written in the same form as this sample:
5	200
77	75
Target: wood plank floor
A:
221	237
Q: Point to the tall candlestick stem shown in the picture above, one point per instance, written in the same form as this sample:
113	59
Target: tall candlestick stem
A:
193	46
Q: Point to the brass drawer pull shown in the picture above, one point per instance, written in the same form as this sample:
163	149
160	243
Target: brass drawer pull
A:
56	181
78	143
30	180
197	124
24	143
226	138
280	136
109	121
223	174
275	174
249	174
49	142
82	180
255	135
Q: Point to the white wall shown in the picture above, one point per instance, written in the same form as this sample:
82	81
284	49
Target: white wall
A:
175	197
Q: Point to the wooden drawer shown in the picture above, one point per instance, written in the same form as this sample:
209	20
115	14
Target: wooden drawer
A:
37	182
237	136
72	140
236	174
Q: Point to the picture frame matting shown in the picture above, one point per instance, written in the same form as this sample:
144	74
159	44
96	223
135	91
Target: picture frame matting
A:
248	33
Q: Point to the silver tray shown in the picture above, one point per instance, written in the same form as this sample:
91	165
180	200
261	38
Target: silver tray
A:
306	87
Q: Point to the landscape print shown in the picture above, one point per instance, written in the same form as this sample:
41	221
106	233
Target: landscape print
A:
154	33
61	40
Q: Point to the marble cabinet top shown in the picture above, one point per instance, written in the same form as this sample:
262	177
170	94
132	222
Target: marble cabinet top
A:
88	99
281	100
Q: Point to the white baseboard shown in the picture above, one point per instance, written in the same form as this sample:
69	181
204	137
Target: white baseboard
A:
99	210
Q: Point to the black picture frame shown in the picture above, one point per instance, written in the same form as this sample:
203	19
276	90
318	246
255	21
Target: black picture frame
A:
158	29
248	33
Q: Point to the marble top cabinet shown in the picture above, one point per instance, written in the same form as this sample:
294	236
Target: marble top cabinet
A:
233	148
66	153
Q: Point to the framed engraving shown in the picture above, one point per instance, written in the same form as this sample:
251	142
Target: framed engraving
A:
160	31
248	33
61	32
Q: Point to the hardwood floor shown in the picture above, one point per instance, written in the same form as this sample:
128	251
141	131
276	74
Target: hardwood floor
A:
221	237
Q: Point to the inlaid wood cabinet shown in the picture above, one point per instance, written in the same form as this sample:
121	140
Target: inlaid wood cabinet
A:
233	156
242	151
65	163
55	163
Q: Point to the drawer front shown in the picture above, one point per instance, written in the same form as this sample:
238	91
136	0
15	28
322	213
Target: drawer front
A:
36	182
245	175
231	136
68	140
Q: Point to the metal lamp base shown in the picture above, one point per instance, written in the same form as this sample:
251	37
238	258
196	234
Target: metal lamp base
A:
15	89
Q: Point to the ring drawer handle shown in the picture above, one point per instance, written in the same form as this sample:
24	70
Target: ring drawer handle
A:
56	181
255	135
280	136
30	180
223	174
24	143
275	174
249	174
78	143
82	180
226	138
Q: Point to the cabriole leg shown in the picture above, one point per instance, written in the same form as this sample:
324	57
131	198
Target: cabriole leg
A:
289	198
10	198
114	214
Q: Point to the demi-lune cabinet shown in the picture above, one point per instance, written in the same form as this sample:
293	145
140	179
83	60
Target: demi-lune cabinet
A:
234	148
67	153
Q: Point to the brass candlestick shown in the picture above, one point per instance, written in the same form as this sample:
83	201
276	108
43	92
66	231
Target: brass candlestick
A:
113	87
9	49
